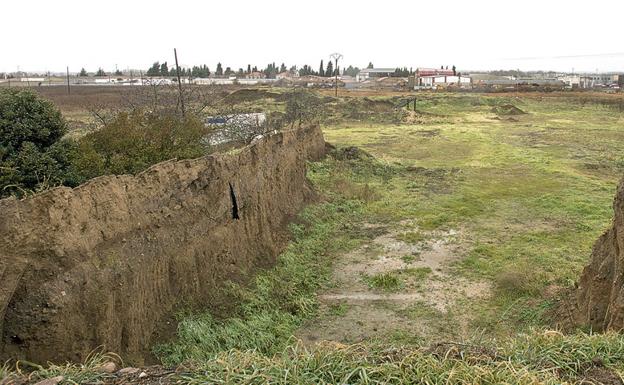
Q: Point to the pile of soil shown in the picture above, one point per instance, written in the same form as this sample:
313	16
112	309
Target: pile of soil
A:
600	296
349	153
249	95
356	108
377	105
508	110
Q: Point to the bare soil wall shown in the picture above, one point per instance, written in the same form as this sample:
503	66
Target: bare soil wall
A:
600	296
106	263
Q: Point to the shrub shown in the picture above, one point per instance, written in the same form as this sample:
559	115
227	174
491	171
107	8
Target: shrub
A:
25	117
32	154
135	141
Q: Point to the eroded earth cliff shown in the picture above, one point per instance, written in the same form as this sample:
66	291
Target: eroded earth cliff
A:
108	262
601	290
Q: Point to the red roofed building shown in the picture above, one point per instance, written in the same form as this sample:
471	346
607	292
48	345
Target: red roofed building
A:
433	72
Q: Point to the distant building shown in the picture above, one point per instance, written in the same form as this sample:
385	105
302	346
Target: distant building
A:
157	81
600	80
433	72
592	80
34	80
256	75
433	81
368	73
433	77
287	75
105	81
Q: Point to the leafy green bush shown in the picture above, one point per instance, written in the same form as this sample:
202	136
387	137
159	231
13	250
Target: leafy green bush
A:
32	154
25	117
132	142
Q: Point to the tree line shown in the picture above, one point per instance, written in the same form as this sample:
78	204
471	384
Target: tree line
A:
270	71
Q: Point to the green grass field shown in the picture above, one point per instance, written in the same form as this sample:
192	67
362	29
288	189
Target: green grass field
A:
530	193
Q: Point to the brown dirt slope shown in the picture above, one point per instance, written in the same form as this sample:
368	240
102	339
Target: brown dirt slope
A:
108	262
600	295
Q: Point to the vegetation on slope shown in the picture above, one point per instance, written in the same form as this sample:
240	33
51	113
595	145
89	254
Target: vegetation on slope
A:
279	300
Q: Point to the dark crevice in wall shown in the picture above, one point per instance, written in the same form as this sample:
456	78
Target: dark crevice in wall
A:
234	203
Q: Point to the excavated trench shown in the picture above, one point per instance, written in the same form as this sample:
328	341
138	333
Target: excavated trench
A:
108	263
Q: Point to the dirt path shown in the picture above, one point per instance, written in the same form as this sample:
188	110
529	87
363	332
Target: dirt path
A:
400	286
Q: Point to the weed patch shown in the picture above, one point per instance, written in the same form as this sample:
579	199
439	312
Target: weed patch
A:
387	282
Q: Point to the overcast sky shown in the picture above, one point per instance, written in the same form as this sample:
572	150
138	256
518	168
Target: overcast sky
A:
40	35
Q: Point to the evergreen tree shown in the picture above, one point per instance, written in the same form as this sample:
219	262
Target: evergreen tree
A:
154	70
282	68
228	71
248	68
164	69
219	71
330	69
118	73
83	73
321	71
100	72
454	70
351	71
370	65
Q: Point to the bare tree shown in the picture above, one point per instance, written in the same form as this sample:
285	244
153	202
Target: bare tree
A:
155	98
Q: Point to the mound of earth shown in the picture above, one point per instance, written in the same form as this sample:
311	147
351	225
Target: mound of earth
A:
377	105
508	109
600	295
357	108
249	95
349	153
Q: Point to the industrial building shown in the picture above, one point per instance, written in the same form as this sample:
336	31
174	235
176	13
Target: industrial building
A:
368	73
434	81
592	80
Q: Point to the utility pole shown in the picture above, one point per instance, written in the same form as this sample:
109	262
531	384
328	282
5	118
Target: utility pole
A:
175	53
68	89
336	56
